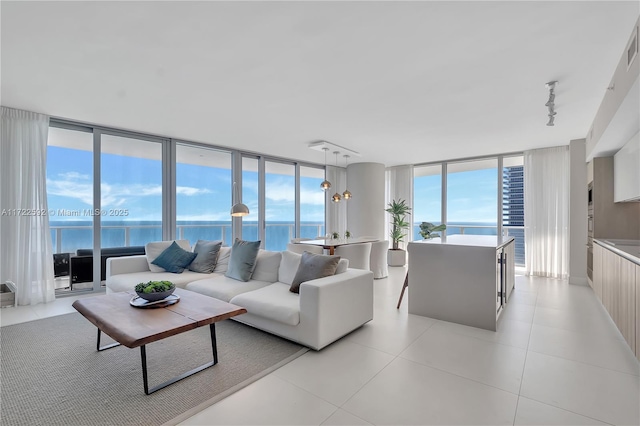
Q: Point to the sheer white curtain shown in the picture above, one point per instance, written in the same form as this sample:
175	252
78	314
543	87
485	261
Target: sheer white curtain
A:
26	254
336	212
399	185
546	216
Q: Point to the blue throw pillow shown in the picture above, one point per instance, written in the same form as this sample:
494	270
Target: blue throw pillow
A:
174	258
206	256
243	260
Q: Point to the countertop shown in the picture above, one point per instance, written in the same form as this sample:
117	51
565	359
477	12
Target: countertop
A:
468	240
629	249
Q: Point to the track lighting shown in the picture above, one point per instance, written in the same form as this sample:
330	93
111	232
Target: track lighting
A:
551	102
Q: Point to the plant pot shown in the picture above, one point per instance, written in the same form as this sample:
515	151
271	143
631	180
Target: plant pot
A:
396	257
154	297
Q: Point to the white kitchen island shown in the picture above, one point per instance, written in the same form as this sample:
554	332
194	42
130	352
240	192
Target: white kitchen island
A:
466	279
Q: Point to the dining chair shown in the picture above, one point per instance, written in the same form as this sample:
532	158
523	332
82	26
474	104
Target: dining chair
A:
301	248
359	255
378	259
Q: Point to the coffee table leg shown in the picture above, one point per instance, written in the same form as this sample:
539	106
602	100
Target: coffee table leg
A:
145	377
98	348
214	344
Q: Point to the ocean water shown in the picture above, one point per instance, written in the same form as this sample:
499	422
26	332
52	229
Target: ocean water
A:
68	236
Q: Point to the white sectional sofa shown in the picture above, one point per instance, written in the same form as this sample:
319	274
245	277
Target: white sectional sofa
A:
324	310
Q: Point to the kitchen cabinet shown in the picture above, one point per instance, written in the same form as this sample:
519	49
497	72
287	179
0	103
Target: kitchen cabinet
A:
638	312
626	171
466	279
618	277
597	270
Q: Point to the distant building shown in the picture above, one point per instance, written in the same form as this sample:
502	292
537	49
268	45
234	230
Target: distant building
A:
513	207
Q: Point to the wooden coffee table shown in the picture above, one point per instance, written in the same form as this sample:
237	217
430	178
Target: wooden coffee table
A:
133	327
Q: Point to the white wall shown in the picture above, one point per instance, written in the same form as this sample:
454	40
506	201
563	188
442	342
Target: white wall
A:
577	212
365	211
617	117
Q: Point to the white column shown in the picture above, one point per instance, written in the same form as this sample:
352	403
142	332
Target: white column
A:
365	211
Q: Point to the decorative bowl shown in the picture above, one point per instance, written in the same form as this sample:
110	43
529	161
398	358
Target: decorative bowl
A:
154	296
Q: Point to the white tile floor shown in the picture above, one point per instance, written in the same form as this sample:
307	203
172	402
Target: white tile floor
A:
556	359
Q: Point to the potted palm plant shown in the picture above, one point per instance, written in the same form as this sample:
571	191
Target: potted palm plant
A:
399	210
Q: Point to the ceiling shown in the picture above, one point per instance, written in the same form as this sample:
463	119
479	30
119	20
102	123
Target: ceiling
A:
398	82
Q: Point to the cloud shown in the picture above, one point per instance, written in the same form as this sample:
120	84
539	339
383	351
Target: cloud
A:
71	189
74	175
79	187
190	191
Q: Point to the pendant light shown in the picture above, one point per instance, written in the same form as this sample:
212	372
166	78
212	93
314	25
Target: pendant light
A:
336	197
325	183
346	194
238	209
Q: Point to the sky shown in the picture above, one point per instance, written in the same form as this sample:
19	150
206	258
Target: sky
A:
472	197
132	190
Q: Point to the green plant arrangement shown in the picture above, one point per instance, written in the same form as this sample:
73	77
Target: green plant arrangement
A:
347	234
154	287
335	235
154	291
427	230
399	210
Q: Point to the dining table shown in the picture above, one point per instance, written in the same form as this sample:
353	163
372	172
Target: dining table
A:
331	243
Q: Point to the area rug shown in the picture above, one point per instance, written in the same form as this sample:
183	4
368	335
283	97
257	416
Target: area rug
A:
51	373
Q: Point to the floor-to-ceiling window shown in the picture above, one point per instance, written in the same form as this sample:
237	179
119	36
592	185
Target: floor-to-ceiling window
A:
130	191
280	205
312	200
70	200
513	203
112	188
427	197
250	197
472	197
203	194
480	198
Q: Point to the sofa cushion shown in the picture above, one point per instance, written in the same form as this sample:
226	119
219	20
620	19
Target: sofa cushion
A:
222	264
224	288
206	256
243	259
313	266
126	282
174	258
267	264
291	261
153	250
274	302
288	266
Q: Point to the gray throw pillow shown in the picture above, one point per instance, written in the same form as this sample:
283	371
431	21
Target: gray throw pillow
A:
206	256
313	266
174	258
243	260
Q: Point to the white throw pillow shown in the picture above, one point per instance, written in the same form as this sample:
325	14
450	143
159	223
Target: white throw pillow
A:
223	260
288	266
342	266
154	249
267	265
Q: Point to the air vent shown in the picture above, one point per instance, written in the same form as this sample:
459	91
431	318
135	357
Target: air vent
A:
632	48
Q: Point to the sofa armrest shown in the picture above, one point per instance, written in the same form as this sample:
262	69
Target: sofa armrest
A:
127	265
338	304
